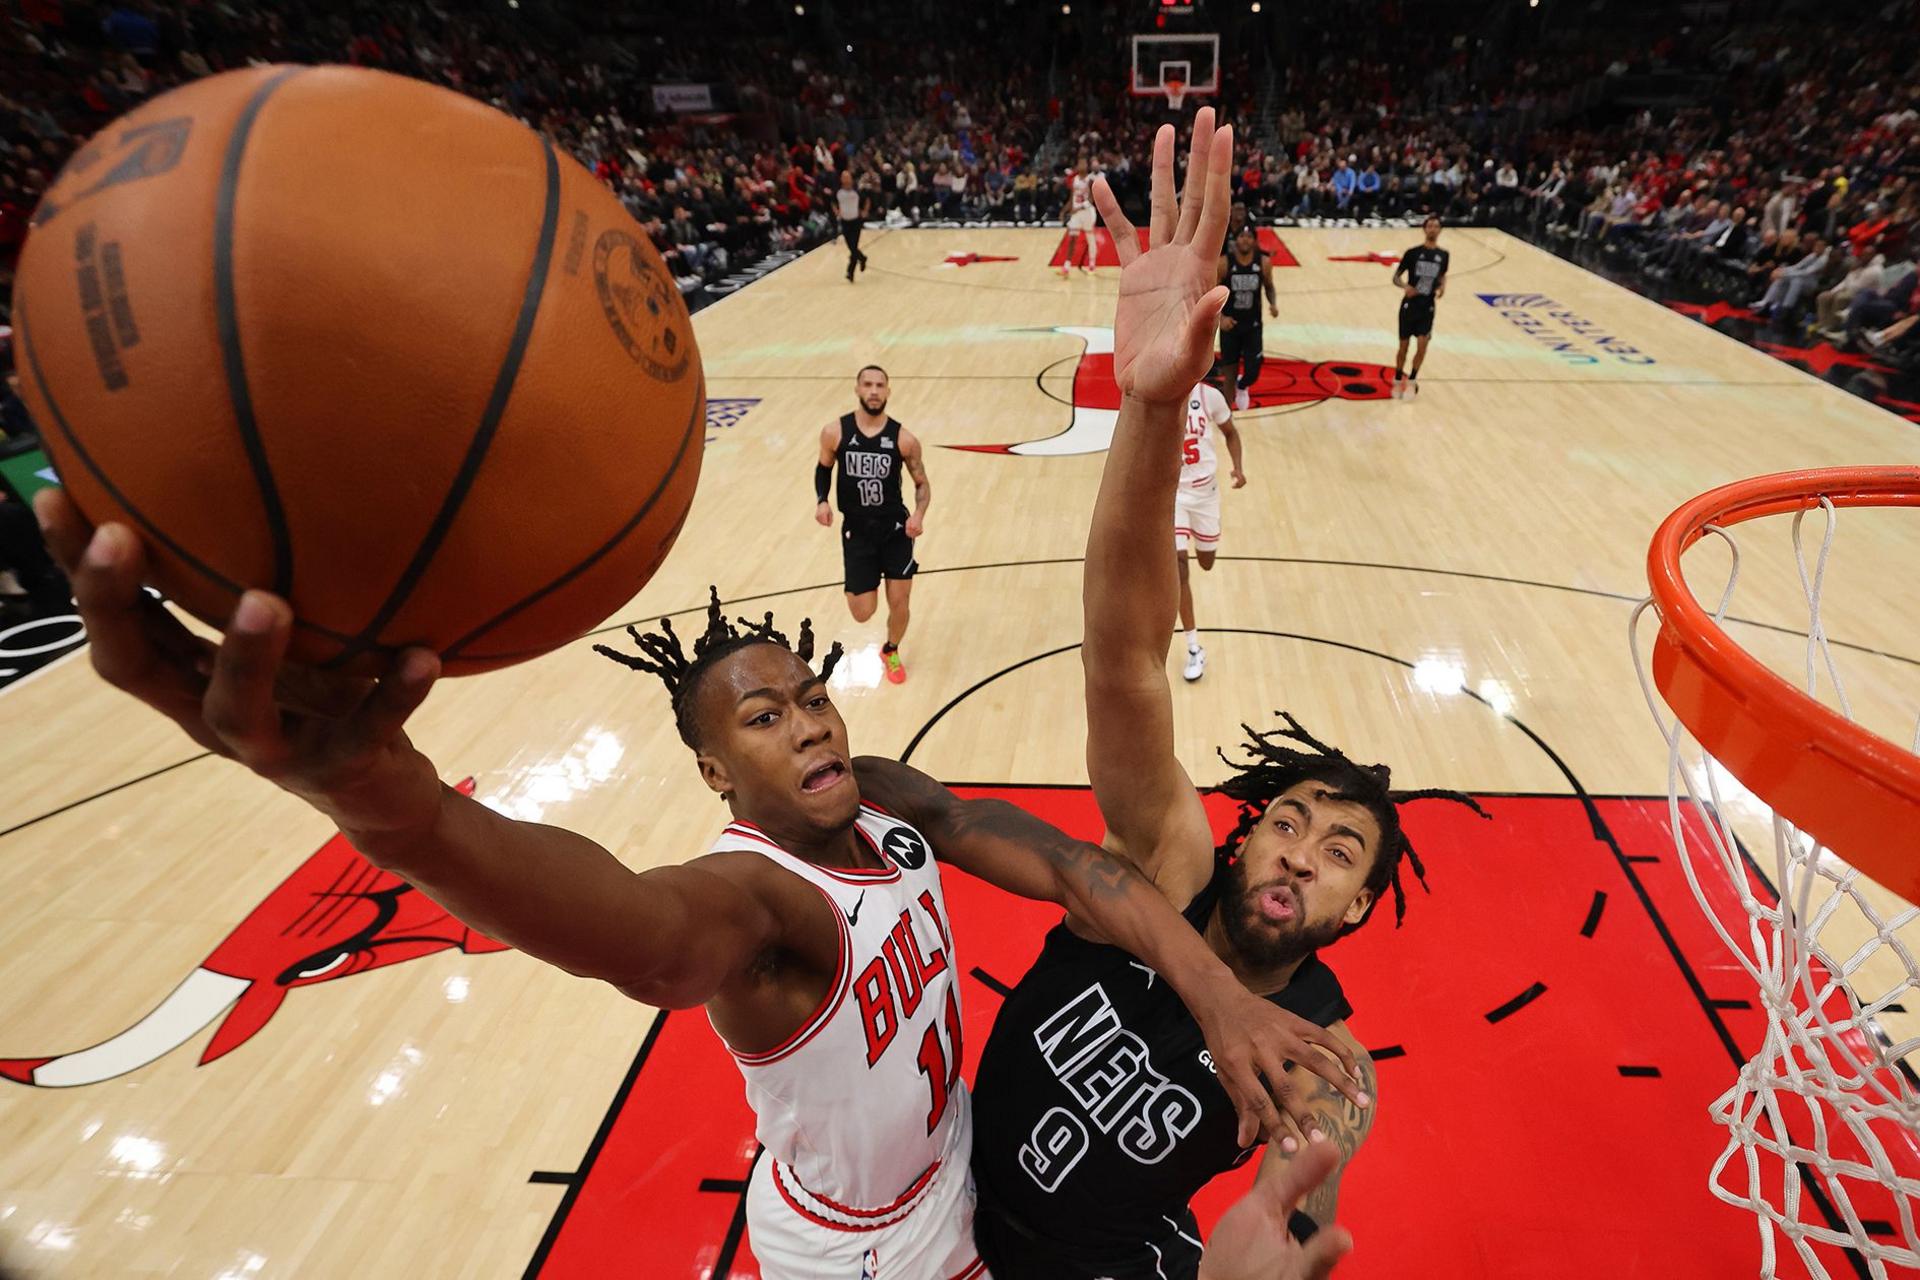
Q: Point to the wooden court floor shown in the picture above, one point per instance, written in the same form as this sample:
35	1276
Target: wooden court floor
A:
1442	584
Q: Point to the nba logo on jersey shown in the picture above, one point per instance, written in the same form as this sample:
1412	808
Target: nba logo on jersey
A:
904	846
870	1266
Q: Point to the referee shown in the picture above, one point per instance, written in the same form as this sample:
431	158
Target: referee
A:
1422	278
852	206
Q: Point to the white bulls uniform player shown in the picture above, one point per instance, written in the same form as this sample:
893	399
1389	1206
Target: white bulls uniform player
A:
1080	219
865	1175
1196	504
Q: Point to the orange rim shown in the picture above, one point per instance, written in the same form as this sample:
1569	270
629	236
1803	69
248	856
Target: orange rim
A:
1852	789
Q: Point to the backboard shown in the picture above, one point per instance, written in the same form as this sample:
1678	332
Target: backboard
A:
1161	62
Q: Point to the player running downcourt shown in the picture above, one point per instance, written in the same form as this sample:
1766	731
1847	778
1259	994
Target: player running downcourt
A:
1422	279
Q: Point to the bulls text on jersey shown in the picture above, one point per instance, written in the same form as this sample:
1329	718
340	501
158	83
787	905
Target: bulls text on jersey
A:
889	991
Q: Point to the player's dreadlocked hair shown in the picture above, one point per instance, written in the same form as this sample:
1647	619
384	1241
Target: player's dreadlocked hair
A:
1282	757
662	654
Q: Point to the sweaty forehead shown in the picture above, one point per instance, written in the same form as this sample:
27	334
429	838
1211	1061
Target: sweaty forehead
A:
759	666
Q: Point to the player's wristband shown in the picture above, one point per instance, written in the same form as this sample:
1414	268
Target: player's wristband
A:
821	475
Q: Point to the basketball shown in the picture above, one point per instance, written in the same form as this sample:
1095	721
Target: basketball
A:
369	344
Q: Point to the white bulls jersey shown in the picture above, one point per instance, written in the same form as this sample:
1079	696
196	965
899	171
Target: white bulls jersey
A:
1206	409
1080	192
863	1106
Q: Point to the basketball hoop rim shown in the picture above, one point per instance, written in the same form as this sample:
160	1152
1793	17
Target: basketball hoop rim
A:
1855	791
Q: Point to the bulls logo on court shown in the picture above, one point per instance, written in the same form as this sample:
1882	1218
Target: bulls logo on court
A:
337	915
1285	382
905	847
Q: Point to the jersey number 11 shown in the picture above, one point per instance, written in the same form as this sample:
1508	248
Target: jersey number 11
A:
941	1069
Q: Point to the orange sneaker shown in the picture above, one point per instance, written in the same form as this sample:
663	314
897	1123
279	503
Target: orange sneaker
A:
896	670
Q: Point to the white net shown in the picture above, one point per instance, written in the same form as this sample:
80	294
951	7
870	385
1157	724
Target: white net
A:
1821	1123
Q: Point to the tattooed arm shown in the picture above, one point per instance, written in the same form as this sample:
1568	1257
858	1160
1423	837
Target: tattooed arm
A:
916	464
1344	1124
1104	895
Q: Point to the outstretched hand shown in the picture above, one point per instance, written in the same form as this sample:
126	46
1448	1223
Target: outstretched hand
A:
1169	305
1251	1241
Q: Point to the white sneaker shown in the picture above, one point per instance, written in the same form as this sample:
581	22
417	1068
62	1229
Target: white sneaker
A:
1196	663
1241	400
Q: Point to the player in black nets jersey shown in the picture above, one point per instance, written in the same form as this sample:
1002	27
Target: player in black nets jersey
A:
1099	1111
870	450
1422	279
1247	273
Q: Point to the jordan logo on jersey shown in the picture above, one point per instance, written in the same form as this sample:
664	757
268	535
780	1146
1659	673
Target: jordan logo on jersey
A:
1106	1069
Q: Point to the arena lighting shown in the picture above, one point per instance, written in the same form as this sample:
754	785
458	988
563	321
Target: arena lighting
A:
800	9
1256	6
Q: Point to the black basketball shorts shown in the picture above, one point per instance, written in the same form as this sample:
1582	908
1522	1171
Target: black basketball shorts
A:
1416	317
872	552
1241	350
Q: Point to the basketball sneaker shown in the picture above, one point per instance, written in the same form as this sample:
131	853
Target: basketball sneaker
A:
1399	384
1241	400
896	670
1196	663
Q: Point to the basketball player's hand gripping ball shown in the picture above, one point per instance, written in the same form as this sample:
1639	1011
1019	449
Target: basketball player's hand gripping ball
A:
1169	305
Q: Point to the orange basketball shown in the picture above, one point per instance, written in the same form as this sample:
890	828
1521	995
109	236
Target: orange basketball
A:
369	344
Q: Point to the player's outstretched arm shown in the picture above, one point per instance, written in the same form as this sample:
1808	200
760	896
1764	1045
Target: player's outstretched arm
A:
1163	344
669	937
1013	850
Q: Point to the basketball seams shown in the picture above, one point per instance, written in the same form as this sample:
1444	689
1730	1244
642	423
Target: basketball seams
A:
694	419
483	434
227	322
101	478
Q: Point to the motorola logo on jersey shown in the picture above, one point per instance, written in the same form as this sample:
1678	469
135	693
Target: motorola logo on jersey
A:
1110	1074
1285	382
904	846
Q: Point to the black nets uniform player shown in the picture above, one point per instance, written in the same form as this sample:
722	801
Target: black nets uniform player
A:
1422	279
870	450
1098	1115
1247	274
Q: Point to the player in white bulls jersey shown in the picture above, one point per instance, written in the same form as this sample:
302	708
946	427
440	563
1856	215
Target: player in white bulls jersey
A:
855	1152
843	1027
1079	218
1196	503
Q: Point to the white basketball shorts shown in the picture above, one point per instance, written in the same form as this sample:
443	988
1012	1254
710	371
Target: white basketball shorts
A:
796	1235
1196	517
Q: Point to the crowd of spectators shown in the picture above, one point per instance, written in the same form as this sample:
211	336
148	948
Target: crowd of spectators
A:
1773	162
1789	178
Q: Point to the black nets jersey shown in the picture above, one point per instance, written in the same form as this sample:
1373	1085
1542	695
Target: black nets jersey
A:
1424	268
870	466
1243	287
1098	1115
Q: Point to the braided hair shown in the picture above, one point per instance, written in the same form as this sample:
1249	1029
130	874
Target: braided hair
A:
1280	758
662	654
